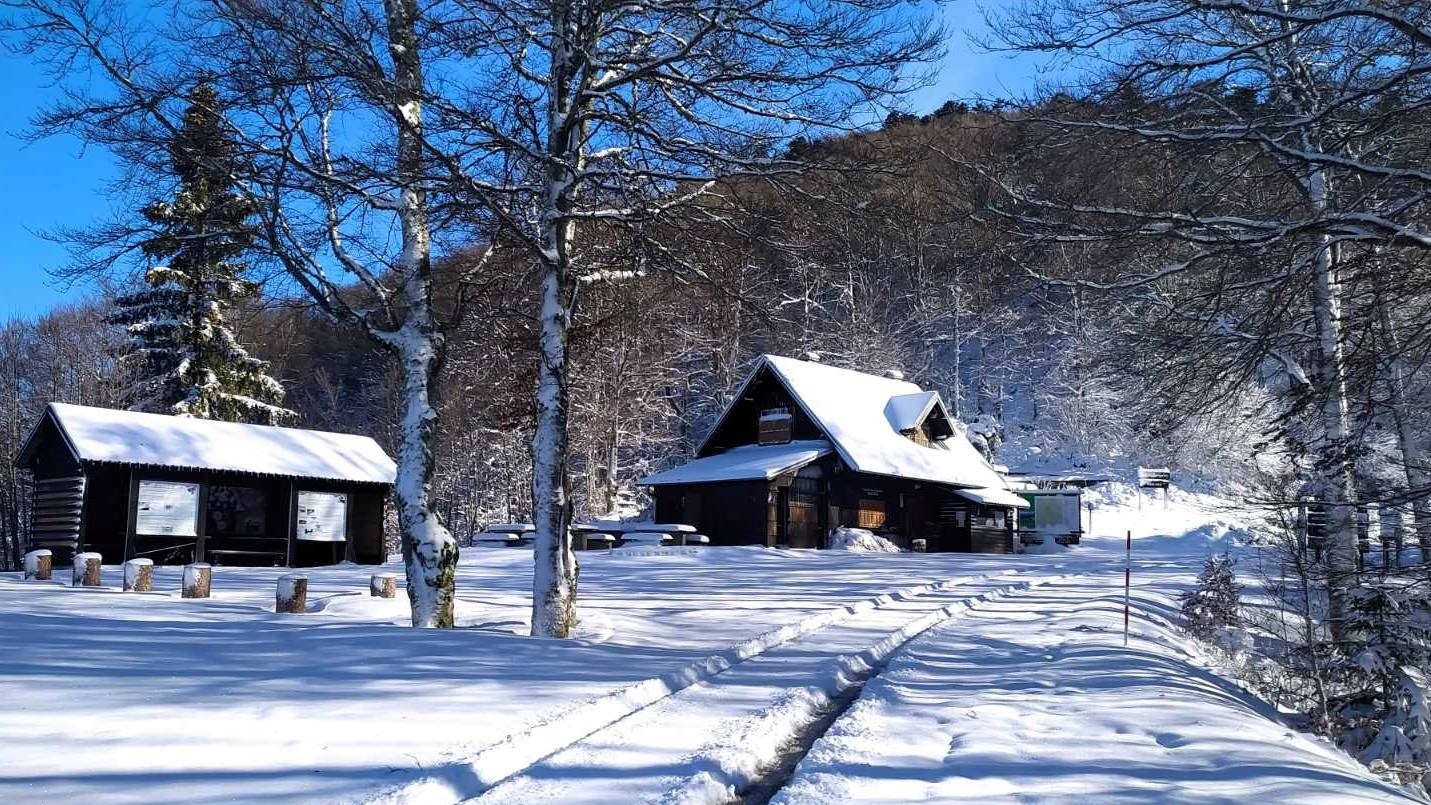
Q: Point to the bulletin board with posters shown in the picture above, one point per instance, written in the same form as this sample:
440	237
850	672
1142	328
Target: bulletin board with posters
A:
322	516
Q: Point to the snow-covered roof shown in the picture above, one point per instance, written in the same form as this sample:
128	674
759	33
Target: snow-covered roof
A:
907	411
157	440
851	409
747	462
993	497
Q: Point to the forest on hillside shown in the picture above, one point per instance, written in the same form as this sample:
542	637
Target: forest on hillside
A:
896	267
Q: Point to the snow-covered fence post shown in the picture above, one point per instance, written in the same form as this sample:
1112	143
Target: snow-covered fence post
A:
198	580
292	595
86	570
139	575
382	585
38	564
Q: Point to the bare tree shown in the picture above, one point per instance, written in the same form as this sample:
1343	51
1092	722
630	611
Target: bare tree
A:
1293	137
612	118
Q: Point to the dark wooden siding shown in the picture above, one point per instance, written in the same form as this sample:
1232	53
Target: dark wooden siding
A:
56	510
730	513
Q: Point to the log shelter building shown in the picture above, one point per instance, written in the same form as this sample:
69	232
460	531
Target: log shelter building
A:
804	447
178	490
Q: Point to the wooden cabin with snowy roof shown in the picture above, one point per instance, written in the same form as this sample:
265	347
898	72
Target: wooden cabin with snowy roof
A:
804	447
177	490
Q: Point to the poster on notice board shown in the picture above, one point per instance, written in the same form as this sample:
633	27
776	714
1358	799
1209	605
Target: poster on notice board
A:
167	508
323	516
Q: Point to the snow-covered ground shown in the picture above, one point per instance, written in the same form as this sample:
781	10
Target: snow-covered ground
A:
1006	678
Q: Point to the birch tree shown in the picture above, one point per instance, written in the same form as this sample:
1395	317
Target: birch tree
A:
607	120
326	103
1288	137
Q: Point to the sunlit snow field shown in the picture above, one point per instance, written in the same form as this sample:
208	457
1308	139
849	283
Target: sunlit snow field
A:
123	697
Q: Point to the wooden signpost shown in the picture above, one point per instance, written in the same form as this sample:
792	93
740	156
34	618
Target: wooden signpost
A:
1154	478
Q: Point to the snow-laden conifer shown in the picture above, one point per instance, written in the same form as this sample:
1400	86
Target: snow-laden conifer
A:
1213	604
183	356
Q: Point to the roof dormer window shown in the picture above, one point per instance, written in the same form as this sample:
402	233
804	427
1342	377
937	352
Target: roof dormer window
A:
776	425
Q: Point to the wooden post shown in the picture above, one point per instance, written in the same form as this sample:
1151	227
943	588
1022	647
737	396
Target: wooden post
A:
86	570
131	514
1127	583
382	585
38	564
139	575
292	595
292	522
198	580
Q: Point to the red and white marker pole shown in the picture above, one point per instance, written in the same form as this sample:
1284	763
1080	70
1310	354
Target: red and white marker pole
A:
1127	582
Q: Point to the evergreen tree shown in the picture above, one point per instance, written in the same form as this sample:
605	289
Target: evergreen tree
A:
1213	604
184	355
1380	709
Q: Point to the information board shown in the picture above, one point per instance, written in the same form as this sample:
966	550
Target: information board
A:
167	508
323	516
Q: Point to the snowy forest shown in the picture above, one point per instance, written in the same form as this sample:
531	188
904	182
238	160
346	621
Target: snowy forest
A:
532	248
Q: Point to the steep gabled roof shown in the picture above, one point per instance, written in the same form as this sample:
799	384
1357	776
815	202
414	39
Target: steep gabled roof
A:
156	440
852	410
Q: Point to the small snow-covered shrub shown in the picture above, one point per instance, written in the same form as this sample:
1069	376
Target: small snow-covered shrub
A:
1213	604
859	539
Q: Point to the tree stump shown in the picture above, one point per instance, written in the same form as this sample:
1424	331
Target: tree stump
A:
198	580
39	564
292	594
139	575
86	570
382	585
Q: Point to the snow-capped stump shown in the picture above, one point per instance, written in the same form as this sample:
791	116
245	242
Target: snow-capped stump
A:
382	585
919	545
292	594
86	570
198	580
139	575
38	564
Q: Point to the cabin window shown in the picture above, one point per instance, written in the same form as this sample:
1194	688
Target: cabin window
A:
871	513
775	425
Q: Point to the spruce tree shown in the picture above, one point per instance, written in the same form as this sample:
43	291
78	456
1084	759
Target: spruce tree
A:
1214	603
183	354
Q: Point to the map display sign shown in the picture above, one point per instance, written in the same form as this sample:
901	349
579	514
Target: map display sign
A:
323	516
167	508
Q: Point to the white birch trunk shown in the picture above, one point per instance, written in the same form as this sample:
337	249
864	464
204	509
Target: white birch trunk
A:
1413	458
555	575
554	578
1334	475
429	551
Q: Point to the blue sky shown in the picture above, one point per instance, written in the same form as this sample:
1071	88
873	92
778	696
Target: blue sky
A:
55	183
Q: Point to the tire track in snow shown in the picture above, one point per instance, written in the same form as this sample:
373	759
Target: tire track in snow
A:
478	772
713	738
739	765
